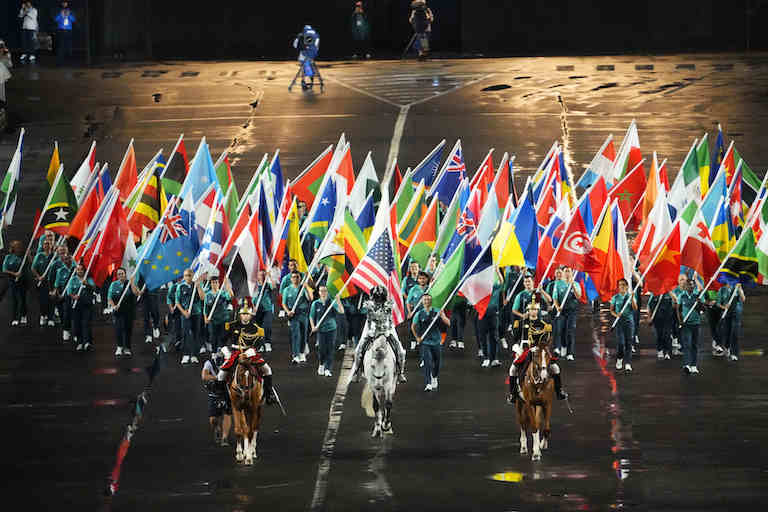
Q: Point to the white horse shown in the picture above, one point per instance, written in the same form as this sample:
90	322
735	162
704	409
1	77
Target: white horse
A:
379	371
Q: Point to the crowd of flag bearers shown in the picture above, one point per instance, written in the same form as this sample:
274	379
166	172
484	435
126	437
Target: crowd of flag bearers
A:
450	249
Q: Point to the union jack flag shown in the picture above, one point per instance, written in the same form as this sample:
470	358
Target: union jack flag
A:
172	227
456	163
467	225
453	174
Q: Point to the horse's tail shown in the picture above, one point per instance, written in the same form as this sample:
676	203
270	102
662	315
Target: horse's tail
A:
366	400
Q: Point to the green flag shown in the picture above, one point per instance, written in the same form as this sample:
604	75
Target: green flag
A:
448	278
742	264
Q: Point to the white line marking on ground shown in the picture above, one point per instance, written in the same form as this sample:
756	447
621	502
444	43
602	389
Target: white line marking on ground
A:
362	91
394	145
329	441
460	86
240	118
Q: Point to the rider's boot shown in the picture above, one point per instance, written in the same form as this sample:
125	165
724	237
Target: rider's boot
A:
268	393
514	391
561	395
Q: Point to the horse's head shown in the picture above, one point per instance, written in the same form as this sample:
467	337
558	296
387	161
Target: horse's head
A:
379	348
539	367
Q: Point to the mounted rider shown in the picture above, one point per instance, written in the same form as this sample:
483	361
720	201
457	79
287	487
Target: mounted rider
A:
532	331
379	323
245	335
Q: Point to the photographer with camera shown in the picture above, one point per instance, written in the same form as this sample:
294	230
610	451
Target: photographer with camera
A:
5	65
421	20
29	28
219	407
64	21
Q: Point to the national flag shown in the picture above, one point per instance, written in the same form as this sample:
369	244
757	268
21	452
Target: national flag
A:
397	177
762	258
698	251
575	249
150	206
612	252
718	191
325	211
549	242
306	186
517	241
664	270
448	278
426	171
53	166
564	179
663	175
450	221
492	210
249	196
479	278
130	257
60	211
722	230
10	185
628	156
601	165
95	226
718	158
423	243
704	164
652	187
83	176
453	172
276	175
214	238
546	207
653	232
409	222
483	178
176	170
110	249
351	238
366	184
742	264
735	204
629	191
201	174
157	162
127	173
223	171
752	183
231	201
345	173
204	208
172	247
265	230
687	183
512	188
293	240
366	219
590	208
91	203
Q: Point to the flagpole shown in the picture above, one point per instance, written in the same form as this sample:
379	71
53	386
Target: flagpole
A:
59	174
54	257
655	309
7	196
730	301
445	164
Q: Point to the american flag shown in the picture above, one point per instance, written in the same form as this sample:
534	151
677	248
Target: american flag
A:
378	268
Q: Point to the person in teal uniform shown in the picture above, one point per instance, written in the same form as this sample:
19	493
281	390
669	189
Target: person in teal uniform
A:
427	334
216	317
488	329
623	306
12	267
325	328
566	296
689	317
413	300
174	317
121	299
59	293
81	292
296	304
188	303
730	299
38	269
265	309
661	307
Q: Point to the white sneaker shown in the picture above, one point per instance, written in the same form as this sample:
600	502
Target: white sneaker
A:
504	344
328	373
569	357
676	352
452	344
628	367
156	332
51	323
428	387
65	335
118	351
209	347
486	363
295	360
320	370
42	321
694	370
185	360
461	345
14	323
23	57
413	345
434	382
734	357
87	347
268	347
421	364
480	353
676	343
302	358
495	362
619	364
193	359
106	311
79	347
666	357
203	350
342	347
127	352
634	349
147	339
659	355
32	58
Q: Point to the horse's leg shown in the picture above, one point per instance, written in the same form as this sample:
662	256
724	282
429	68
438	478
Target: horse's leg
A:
239	451
377	416
247	449
546	427
388	417
536	428
522	422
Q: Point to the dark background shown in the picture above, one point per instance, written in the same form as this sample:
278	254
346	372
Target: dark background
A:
256	29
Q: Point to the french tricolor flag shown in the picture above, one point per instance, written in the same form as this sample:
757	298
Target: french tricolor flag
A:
478	285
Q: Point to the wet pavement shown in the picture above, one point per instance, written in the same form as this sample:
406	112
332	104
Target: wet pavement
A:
653	440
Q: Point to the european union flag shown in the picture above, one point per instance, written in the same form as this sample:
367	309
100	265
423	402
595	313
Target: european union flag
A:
172	247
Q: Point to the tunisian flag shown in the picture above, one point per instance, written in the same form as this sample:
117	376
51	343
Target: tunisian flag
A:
629	191
575	249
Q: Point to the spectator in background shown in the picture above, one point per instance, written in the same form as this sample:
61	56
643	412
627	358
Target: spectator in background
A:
361	32
421	20
64	21
5	65
29	28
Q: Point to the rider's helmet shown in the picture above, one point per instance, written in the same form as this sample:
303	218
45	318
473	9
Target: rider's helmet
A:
379	294
245	310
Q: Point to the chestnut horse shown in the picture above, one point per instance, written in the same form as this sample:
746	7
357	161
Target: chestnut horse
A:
535	408
245	393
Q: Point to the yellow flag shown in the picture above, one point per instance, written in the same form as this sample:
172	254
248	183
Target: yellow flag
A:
294	241
505	247
53	167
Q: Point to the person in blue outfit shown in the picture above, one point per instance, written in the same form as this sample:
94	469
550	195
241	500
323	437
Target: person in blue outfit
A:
216	312
322	320
64	22
12	266
121	299
730	299
488	328
427	333
296	304
623	306
59	293
39	268
81	292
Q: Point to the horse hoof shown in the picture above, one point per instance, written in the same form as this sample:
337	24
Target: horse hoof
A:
249	462
536	457
523	451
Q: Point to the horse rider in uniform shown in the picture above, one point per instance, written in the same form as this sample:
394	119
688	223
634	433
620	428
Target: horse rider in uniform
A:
245	334
379	323
532	330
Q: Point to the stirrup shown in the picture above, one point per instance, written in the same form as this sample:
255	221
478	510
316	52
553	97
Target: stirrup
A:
561	395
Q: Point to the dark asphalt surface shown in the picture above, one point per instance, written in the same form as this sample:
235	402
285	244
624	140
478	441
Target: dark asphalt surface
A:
655	440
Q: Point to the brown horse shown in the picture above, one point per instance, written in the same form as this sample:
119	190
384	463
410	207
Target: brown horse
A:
535	408
246	392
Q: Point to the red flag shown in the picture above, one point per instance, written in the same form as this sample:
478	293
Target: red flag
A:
111	247
575	249
483	178
127	175
306	186
398	178
665	269
629	191
346	171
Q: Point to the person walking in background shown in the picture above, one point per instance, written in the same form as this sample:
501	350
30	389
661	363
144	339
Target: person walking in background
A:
427	334
361	32
6	63
322	320
12	267
625	328
421	20
730	301
64	21
29	28
38	269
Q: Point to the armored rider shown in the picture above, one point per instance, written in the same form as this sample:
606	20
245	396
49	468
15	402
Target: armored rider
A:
379	323
532	330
